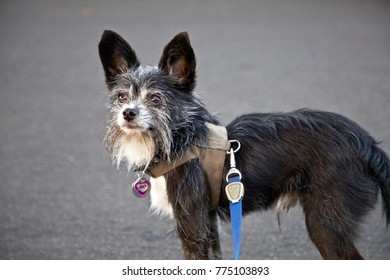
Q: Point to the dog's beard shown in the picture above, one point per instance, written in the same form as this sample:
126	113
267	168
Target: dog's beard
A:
133	147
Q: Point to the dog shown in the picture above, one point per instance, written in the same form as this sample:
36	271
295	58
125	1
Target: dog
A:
325	162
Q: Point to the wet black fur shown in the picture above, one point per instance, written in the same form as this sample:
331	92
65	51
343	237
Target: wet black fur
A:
324	161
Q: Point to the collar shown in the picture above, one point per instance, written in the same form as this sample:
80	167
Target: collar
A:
211	158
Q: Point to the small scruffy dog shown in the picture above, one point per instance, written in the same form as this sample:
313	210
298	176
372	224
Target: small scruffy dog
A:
322	160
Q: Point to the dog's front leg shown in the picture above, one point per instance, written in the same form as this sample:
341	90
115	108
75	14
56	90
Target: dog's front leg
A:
193	233
199	236
188	195
216	253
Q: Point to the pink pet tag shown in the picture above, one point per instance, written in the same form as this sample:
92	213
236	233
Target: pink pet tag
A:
141	187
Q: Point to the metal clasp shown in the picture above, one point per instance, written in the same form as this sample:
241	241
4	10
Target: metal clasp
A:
233	170
235	189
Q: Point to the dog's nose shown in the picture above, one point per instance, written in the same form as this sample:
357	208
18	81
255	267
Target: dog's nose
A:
129	114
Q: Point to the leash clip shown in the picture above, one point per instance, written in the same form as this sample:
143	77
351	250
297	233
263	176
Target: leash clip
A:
235	189
233	170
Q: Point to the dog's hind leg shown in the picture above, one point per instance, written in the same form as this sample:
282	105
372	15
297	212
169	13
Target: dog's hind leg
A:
330	243
331	246
331	227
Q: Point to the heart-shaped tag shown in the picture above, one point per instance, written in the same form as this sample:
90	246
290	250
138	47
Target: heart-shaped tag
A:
141	187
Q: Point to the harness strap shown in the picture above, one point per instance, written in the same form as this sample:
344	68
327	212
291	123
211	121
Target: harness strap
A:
211	159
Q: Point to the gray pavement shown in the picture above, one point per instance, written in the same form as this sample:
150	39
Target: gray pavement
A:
60	196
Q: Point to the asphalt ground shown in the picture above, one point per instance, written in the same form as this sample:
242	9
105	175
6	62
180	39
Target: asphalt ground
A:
60	196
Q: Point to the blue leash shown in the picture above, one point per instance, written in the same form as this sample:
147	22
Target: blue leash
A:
236	217
235	193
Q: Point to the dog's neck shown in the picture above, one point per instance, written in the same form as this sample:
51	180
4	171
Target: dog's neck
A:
211	158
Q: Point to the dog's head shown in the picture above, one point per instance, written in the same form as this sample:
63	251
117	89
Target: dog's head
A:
153	111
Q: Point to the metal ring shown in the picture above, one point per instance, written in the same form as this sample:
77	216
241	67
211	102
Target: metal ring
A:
233	171
238	146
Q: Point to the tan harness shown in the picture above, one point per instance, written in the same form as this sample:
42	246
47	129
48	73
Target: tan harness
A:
211	159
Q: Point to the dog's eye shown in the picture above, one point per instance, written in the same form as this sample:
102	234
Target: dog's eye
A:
155	99
122	96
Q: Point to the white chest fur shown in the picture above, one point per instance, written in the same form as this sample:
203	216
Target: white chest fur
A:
137	148
159	197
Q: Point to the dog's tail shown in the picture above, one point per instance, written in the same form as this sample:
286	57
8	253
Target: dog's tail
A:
379	166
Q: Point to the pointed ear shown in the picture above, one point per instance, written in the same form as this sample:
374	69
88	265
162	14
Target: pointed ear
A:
116	55
178	60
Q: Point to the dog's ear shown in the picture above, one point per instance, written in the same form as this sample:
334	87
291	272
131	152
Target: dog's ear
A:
178	60
116	55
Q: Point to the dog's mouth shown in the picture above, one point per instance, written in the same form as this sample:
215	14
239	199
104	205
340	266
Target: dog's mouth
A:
133	127
130	127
